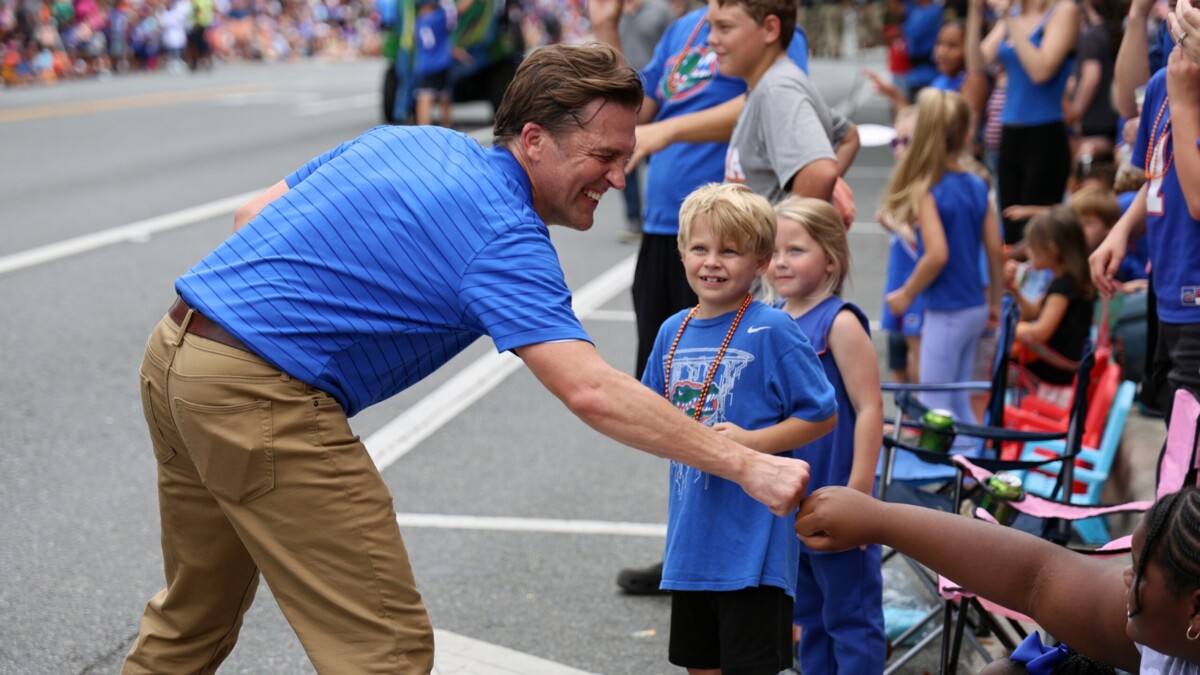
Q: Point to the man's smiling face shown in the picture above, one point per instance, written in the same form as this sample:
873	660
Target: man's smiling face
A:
571	173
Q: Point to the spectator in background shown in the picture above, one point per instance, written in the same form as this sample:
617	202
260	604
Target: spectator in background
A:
642	25
174	20
199	51
433	62
1035	43
922	22
1090	109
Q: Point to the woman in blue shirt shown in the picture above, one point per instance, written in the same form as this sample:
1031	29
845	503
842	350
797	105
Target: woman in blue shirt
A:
1035	41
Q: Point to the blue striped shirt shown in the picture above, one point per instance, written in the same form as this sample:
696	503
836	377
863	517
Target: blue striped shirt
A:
387	256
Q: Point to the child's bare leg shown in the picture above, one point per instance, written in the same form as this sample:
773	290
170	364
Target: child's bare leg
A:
447	111
424	107
914	357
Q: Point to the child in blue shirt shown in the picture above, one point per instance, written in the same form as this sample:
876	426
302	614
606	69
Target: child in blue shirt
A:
433	60
839	596
930	186
747	370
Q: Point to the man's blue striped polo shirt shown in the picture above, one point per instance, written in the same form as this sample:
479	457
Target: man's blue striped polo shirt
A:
387	256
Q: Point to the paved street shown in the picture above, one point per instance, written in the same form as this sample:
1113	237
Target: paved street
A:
517	517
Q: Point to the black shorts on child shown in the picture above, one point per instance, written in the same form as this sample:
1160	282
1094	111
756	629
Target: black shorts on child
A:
437	83
743	632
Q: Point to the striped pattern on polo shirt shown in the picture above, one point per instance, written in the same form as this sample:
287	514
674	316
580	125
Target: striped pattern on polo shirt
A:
387	256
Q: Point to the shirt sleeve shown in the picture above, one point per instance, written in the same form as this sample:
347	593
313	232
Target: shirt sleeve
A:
799	383
652	74
793	133
653	376
296	177
515	290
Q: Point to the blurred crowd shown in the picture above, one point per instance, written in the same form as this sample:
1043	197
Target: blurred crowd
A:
44	41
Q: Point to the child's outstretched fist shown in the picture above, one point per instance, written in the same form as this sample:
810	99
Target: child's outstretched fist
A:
839	518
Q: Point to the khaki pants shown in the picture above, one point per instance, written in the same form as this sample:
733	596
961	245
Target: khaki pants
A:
258	472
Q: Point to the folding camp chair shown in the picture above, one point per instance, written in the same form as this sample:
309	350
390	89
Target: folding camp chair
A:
991	436
1178	466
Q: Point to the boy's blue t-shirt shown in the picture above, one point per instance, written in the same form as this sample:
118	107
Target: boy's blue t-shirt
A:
382	261
433	42
683	77
962	204
718	537
1173	236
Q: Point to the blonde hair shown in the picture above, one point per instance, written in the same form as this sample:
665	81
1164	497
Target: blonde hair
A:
734	212
943	120
825	226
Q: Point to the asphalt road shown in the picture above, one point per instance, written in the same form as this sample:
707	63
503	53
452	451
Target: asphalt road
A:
111	190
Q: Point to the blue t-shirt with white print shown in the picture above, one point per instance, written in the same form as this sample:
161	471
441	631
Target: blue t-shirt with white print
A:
718	537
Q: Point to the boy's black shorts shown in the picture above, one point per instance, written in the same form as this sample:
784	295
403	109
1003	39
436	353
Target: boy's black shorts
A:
897	351
743	632
438	83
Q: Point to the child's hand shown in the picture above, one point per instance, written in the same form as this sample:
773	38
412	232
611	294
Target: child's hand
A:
605	12
1011	267
837	519
733	432
898	302
1022	212
882	86
843	201
650	139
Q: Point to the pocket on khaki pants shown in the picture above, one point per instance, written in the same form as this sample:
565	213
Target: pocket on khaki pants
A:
231	447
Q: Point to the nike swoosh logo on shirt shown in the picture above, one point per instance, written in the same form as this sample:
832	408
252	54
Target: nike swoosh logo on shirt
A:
755	329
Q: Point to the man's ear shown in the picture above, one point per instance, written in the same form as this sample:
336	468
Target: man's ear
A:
771	26
534	138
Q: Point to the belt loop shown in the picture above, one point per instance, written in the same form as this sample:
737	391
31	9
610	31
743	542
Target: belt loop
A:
183	326
284	377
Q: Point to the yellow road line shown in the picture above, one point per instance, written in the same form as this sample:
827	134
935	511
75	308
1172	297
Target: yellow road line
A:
123	103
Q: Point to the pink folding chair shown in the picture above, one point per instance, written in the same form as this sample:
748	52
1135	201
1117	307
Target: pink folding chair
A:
1179	465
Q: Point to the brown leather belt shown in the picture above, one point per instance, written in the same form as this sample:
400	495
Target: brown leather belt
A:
202	325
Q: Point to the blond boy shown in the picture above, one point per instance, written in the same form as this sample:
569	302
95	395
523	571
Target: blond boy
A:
746	370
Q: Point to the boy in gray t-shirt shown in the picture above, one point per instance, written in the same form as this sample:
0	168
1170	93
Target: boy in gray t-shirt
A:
782	140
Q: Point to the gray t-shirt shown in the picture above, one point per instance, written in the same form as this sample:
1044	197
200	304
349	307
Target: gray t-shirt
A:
784	127
641	29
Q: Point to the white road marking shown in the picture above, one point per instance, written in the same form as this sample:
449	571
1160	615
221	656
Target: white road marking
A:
137	232
544	525
396	438
460	655
331	105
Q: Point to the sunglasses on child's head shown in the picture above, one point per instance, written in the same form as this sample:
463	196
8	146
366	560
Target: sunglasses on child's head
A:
900	142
